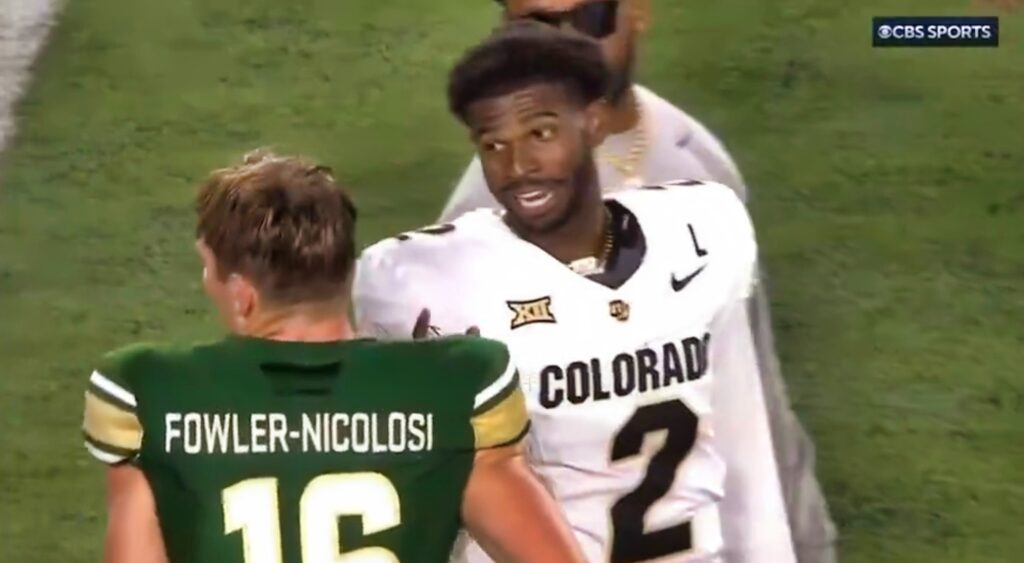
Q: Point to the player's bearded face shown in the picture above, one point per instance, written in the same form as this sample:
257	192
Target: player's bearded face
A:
615	24
535	146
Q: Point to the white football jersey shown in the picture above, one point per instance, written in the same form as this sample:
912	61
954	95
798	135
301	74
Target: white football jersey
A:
619	382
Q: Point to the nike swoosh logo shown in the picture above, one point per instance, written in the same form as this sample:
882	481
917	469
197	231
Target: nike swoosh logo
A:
678	285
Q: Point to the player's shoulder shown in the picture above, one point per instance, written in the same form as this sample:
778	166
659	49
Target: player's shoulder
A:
665	112
117	387
465	231
487	357
469	364
692	197
691	136
685	209
428	254
461	352
479	356
684	126
492	379
127	364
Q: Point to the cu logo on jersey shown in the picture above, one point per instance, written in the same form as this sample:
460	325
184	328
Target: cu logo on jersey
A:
619	310
530	312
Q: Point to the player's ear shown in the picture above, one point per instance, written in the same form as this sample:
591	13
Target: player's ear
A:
244	299
595	124
639	15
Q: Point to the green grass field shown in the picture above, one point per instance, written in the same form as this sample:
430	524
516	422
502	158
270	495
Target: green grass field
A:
887	189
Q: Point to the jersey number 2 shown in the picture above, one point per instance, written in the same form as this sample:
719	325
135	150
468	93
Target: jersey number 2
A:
630	542
251	506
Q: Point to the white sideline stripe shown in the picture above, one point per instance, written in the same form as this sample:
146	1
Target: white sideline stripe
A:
24	28
497	386
102	455
114	389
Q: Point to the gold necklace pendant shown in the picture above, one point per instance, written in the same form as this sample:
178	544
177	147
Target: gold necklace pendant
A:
588	266
593	265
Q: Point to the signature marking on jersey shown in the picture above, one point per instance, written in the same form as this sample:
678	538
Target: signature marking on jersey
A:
679	284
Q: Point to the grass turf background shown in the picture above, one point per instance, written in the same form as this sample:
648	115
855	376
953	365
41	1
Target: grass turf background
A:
887	188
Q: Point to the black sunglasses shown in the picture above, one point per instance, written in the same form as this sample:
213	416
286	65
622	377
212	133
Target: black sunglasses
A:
596	19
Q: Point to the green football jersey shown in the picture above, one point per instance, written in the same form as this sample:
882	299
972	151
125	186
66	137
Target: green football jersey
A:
261	451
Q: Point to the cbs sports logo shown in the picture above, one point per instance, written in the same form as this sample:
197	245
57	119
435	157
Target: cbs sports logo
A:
935	32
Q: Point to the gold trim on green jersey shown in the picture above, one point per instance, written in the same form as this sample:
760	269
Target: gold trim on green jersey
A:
109	427
503	423
497	387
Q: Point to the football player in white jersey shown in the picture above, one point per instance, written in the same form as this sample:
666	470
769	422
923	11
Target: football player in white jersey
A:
651	140
622	312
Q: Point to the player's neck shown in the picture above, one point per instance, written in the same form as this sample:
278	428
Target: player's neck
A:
582	236
301	326
624	115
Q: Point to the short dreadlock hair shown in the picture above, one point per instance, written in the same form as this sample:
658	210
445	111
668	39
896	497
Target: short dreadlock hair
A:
524	53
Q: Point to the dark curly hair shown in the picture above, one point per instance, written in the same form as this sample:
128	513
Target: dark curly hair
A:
525	53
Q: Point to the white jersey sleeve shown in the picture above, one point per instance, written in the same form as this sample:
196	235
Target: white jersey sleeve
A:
430	268
754	524
381	309
737	227
752	512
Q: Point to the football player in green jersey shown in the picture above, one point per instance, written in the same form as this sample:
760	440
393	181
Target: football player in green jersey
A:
291	441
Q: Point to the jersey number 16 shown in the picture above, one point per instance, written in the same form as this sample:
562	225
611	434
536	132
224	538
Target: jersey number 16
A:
251	506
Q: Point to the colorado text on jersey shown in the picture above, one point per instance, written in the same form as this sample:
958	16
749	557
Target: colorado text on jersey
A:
649	368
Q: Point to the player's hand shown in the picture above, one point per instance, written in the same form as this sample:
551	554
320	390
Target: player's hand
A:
422	326
423	329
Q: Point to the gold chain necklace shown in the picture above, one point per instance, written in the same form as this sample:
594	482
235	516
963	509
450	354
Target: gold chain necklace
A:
628	166
609	239
596	264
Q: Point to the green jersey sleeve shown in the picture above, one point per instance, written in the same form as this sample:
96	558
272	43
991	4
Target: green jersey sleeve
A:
111	427
499	406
